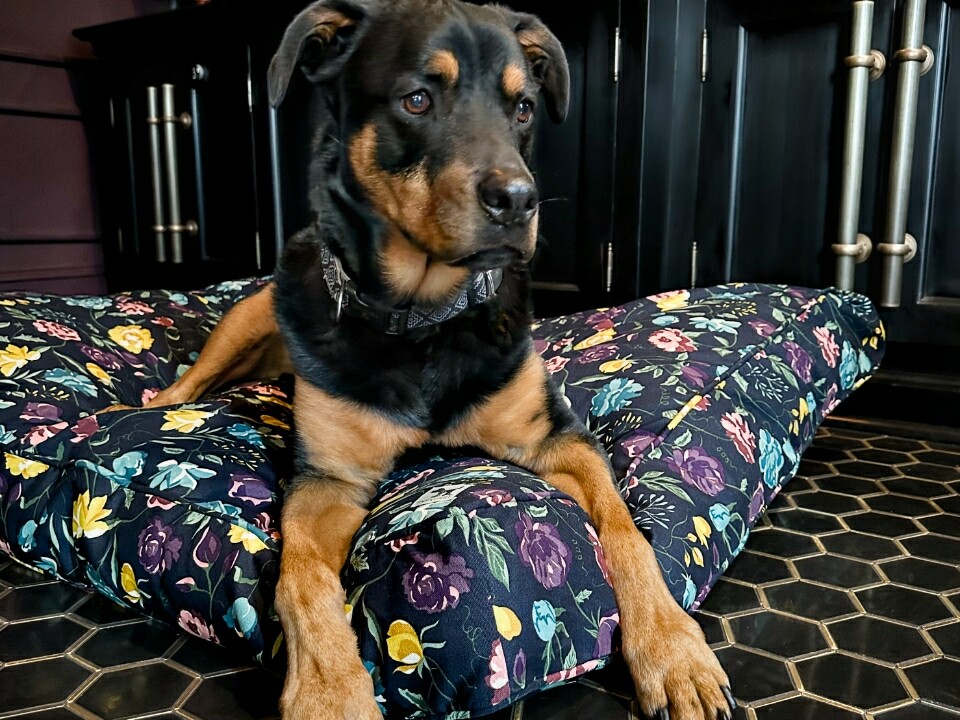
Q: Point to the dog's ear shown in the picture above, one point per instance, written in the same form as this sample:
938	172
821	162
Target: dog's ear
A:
547	60
319	40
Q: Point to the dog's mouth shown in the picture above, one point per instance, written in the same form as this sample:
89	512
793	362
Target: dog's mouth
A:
491	259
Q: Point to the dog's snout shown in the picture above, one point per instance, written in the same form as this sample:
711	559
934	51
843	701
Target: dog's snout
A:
509	198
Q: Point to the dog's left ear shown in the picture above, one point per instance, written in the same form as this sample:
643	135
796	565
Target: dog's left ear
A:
546	58
319	40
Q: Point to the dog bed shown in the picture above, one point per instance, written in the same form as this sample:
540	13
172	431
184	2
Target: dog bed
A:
472	583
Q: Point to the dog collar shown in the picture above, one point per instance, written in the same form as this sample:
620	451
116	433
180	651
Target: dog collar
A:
400	320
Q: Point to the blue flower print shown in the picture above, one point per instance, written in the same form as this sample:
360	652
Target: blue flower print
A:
719	516
615	395
771	459
71	380
89	303
544	620
848	366
242	617
242	431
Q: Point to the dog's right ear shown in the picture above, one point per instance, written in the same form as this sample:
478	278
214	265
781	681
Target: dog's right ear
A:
319	40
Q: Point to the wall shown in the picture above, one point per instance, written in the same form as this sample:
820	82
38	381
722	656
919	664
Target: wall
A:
49	230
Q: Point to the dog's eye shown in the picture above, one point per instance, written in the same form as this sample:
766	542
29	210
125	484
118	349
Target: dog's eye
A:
417	103
525	111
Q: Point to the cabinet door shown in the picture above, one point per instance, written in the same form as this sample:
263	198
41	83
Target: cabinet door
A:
196	160
772	135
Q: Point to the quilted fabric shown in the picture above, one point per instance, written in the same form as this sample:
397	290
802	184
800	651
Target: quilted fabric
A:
472	583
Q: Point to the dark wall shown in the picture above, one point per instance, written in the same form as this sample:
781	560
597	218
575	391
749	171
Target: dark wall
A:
49	232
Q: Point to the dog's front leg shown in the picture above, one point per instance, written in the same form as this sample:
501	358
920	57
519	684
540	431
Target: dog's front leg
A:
528	423
326	679
675	672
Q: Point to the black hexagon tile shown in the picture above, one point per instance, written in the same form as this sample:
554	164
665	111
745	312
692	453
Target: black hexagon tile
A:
918	711
934	547
39	683
827	502
758	568
730	597
884	457
850	485
904	604
754	677
782	543
938	681
134	691
917	488
859	545
838	571
939	457
928	471
879	639
804	708
778	634
869	470
883	524
124	644
924	574
895	443
38	638
852	681
901	505
942	525
947	638
805	521
809	600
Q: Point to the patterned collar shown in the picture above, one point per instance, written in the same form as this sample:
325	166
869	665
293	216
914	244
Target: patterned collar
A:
400	320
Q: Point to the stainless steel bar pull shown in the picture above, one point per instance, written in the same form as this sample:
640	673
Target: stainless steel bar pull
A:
156	181
865	65
173	182
911	58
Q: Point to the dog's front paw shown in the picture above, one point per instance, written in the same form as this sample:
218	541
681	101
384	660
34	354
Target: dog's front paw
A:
676	674
317	698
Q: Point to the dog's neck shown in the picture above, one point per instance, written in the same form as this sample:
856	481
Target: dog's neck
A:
355	243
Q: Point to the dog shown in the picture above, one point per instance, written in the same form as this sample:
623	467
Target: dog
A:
403	313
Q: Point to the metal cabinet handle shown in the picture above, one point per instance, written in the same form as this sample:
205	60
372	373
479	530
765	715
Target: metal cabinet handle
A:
170	121
865	65
156	181
911	57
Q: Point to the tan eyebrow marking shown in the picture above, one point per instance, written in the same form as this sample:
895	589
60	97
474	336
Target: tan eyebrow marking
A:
445	64
514	80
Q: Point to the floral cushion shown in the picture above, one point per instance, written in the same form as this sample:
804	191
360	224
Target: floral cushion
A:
472	583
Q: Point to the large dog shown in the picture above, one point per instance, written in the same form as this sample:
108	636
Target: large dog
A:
403	313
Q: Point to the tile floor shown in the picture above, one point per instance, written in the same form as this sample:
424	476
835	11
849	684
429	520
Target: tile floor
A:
844	605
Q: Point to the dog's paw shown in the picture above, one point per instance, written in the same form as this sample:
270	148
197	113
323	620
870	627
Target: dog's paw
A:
314	698
676	674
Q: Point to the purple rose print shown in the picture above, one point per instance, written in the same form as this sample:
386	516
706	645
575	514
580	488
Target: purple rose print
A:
756	504
40	412
249	488
101	357
695	375
763	328
159	547
543	551
799	360
699	469
597	354
639	442
520	669
608	626
540	346
432	585
207	550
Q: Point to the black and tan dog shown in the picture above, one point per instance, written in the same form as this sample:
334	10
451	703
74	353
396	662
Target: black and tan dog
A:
403	312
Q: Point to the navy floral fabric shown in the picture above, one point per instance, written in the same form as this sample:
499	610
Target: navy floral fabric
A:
472	583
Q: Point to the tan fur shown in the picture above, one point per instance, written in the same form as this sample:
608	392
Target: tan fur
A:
445	64
346	441
412	274
318	522
511	422
439	214
245	343
514	80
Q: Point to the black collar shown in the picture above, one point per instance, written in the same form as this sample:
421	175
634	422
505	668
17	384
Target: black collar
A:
399	320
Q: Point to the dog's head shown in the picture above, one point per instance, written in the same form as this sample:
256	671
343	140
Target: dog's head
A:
435	103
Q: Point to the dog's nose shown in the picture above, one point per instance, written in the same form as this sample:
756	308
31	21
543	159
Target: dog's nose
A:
510	199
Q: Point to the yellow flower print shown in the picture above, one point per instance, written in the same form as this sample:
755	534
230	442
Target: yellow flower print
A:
132	338
13	358
270	420
703	529
22	467
508	624
251	543
403	645
128	581
87	516
99	373
184	420
613	366
697	556
672	300
598	339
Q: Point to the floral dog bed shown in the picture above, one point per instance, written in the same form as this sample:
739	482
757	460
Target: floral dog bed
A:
472	583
